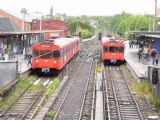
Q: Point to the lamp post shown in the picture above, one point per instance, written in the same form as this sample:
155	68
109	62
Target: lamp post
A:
24	12
155	21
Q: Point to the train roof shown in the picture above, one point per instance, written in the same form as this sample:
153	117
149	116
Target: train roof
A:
64	41
59	41
111	40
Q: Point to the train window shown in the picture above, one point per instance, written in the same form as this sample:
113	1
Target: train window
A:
113	49
45	54
105	49
35	53
121	49
56	54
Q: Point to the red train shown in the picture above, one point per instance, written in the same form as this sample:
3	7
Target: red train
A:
112	50
52	55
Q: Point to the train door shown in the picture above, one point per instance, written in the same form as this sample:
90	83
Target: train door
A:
121	52
57	58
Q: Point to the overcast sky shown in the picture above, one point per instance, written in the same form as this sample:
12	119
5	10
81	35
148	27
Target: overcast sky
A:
81	7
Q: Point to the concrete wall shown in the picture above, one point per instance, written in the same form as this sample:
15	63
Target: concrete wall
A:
8	72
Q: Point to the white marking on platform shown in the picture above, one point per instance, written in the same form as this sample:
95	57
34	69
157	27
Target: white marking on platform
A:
49	84
46	82
37	81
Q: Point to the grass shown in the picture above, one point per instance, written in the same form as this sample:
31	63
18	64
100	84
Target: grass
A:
19	88
53	87
50	114
143	89
85	114
36	88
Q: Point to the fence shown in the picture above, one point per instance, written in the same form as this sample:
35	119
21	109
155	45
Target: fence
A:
155	81
8	72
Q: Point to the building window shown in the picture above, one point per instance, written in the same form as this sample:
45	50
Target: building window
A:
36	22
47	23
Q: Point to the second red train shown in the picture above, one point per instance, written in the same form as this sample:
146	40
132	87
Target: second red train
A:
112	50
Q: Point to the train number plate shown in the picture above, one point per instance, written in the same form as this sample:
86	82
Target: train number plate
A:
113	61
45	69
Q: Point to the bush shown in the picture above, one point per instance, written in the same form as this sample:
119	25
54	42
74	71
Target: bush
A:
51	114
85	33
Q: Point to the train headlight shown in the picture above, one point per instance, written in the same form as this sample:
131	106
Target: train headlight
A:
37	61
54	61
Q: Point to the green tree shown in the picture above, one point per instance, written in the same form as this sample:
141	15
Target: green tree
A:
85	33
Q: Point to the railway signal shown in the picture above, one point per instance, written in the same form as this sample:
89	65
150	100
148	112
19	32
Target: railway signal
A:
155	78
100	36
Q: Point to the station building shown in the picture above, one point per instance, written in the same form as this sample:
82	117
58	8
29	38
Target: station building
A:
61	25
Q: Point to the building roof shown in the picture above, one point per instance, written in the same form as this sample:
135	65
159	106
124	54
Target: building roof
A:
7	25
153	34
28	18
145	32
28	32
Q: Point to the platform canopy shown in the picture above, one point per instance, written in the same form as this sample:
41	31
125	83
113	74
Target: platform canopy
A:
153	34
28	32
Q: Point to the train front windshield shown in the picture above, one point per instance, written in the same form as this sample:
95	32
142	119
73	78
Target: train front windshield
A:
113	49
121	49
45	54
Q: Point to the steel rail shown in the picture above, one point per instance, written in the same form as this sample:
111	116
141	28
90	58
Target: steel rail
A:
106	96
137	106
17	98
84	56
89	78
56	115
114	92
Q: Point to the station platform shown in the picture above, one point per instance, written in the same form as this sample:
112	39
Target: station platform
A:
140	67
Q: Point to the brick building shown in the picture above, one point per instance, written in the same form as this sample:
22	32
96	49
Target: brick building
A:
60	25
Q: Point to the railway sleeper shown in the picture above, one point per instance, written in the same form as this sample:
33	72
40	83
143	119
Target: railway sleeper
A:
14	114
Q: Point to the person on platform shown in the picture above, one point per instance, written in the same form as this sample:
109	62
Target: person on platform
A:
14	52
24	52
153	55
6	57
140	53
29	60
157	58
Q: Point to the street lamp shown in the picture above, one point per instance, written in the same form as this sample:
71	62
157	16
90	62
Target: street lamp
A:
24	12
155	24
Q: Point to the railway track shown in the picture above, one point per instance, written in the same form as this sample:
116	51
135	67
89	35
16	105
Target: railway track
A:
87	101
121	103
69	103
24	106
